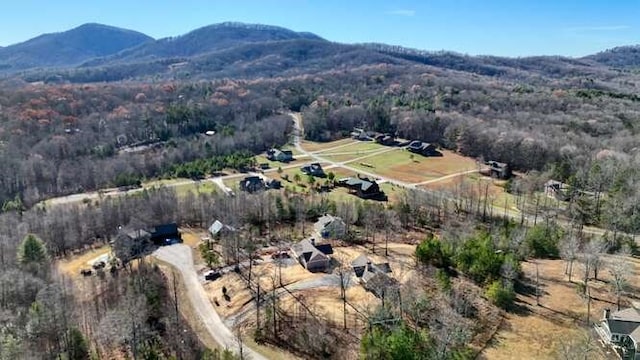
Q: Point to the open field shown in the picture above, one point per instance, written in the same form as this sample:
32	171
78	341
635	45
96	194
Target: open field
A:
71	266
361	147
477	185
400	165
318	146
537	331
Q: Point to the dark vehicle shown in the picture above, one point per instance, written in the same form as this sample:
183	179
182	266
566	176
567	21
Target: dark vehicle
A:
86	272
99	265
212	276
281	255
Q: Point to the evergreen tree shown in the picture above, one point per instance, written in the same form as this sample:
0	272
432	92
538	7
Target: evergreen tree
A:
32	251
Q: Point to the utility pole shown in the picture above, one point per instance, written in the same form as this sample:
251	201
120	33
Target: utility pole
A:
537	285
588	305
258	307
343	293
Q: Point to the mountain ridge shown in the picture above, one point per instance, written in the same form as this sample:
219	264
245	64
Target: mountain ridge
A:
276	50
69	48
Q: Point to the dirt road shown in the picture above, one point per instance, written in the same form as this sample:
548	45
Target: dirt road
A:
180	257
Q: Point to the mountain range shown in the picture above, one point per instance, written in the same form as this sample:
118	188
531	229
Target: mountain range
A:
95	52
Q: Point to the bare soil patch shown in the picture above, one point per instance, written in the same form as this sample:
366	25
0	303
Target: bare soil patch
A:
72	265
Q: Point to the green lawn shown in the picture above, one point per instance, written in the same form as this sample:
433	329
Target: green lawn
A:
200	187
320	146
386	160
357	147
342	158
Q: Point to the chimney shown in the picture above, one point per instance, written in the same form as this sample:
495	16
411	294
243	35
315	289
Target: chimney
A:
313	241
369	267
607	313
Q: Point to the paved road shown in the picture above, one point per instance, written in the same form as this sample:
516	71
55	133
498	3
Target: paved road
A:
180	257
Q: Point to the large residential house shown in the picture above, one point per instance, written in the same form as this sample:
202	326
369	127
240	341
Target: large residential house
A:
621	330
364	188
329	226
422	148
279	155
373	277
136	242
252	184
314	169
165	234
311	256
386	139
499	170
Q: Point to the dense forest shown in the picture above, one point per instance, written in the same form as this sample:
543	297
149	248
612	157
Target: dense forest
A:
578	130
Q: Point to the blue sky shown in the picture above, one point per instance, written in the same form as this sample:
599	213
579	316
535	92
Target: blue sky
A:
494	27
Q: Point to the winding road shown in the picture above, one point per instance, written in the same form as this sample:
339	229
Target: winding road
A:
180	257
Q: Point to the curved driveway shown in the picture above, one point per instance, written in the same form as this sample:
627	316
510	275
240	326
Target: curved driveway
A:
180	257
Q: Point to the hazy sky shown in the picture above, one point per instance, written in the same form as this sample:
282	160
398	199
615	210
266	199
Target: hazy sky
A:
496	27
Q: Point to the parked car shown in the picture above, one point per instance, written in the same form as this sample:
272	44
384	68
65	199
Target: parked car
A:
281	255
212	275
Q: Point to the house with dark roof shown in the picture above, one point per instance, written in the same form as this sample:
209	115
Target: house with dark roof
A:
131	243
499	170
362	187
373	277
280	155
329	226
360	134
313	169
621	330
165	234
218	229
252	184
311	256
386	139
422	148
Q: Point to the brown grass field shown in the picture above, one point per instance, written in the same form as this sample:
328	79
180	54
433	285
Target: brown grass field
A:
362	147
537	332
401	166
71	266
318	146
476	184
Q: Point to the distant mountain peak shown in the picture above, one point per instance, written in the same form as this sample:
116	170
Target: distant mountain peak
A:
71	47
620	57
235	25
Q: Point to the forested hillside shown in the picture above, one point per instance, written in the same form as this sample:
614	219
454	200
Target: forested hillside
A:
69	48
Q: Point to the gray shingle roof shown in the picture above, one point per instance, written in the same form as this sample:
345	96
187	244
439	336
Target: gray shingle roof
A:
625	322
305	250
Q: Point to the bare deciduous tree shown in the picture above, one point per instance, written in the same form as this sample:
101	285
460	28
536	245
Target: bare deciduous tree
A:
619	268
